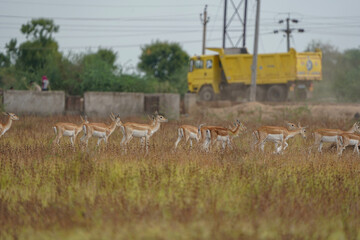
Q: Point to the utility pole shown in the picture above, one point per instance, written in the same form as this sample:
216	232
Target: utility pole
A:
289	30
204	20
244	25
224	29
254	64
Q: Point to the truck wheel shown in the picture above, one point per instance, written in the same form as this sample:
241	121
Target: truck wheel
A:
276	93
301	94
206	93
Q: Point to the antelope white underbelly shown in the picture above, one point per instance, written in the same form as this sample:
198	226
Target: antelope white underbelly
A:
222	138
69	133
353	142
193	135
274	137
139	133
329	139
99	134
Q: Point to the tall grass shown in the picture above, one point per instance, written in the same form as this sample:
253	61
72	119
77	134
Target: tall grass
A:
102	193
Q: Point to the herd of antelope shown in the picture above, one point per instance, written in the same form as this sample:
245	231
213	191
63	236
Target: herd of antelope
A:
207	136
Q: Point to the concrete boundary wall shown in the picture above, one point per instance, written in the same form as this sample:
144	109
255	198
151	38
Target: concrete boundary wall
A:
32	102
169	104
100	104
96	104
190	102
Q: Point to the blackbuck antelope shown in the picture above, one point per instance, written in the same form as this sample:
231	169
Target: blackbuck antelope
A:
5	127
331	136
348	139
277	135
221	135
101	131
71	130
141	131
190	133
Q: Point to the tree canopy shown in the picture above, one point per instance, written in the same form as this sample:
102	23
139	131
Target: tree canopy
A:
162	60
341	73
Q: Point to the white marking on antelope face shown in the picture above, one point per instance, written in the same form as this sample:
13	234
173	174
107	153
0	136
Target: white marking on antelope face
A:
161	118
118	122
13	116
303	133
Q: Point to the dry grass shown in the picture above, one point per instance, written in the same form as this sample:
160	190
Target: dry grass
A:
104	194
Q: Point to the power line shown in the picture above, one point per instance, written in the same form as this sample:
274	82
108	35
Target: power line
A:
155	18
102	5
289	30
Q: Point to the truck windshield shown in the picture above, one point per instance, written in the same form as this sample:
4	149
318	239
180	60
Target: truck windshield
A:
199	64
191	66
208	64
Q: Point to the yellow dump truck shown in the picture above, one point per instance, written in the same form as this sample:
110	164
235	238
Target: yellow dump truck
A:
227	75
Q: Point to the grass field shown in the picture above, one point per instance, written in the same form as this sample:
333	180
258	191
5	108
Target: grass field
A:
48	193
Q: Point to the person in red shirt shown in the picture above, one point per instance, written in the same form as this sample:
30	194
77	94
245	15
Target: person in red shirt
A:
45	83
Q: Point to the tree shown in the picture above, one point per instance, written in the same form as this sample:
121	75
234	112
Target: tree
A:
11	54
162	60
34	53
330	59
105	55
341	73
347	84
40	29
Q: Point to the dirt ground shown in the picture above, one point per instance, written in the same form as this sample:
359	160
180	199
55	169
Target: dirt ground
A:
276	111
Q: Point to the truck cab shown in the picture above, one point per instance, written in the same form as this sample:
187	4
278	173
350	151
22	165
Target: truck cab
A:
204	76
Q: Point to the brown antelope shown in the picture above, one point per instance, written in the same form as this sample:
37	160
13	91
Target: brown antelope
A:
222	135
190	133
68	130
5	127
141	131
331	136
278	135
101	131
346	139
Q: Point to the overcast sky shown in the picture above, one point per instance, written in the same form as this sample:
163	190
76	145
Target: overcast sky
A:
125	26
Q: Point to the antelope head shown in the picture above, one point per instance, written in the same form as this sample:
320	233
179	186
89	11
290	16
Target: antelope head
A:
302	130
160	118
291	126
242	126
12	116
84	120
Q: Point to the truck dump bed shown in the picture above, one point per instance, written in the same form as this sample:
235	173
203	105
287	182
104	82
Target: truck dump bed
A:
274	68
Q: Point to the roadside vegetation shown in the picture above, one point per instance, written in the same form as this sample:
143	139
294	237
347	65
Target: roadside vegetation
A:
162	67
76	73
